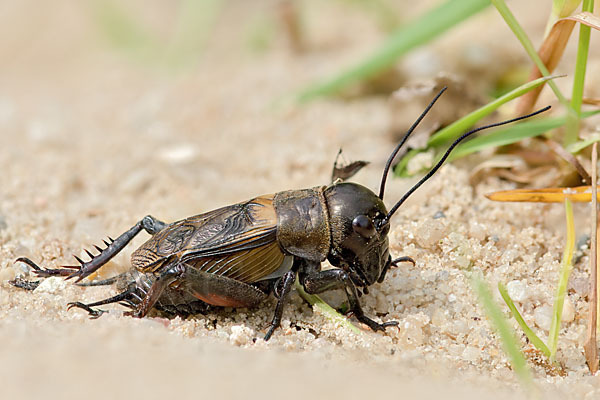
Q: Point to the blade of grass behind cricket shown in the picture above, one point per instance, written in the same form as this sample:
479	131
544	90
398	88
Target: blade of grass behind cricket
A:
515	133
454	130
404	39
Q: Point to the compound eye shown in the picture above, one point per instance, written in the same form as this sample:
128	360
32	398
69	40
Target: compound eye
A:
364	226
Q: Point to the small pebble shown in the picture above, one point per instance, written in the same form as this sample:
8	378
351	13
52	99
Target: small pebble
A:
241	335
568	313
430	232
471	353
439	214
543	317
179	154
518	291
52	285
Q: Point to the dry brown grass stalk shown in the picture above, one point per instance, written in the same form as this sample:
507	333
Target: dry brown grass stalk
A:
591	345
551	52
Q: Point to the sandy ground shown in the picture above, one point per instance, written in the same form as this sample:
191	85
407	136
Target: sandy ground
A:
92	139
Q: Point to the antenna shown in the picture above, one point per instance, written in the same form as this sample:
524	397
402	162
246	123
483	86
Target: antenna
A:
404	139
433	170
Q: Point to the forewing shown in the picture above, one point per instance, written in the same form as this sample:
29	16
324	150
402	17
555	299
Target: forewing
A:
237	241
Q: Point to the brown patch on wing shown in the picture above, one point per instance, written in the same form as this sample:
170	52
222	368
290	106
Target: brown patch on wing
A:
237	241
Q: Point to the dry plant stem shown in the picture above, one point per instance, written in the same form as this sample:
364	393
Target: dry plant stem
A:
591	345
290	19
580	194
550	53
570	158
560	9
590	102
561	290
528	46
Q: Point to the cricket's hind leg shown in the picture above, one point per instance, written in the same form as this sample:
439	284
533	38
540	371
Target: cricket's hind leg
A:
133	291
86	268
125	298
39	271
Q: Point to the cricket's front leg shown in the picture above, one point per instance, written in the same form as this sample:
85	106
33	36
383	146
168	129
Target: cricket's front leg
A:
316	281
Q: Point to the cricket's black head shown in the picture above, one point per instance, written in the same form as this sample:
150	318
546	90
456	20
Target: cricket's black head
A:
359	242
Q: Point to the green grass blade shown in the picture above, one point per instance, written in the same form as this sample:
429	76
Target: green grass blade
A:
457	128
560	9
326	309
401	168
564	8
125	31
514	25
573	123
195	21
576	147
516	133
122	30
412	35
386	16
533	338
565	271
507	335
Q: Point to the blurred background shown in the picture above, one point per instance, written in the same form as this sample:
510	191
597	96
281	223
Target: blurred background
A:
189	92
114	109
